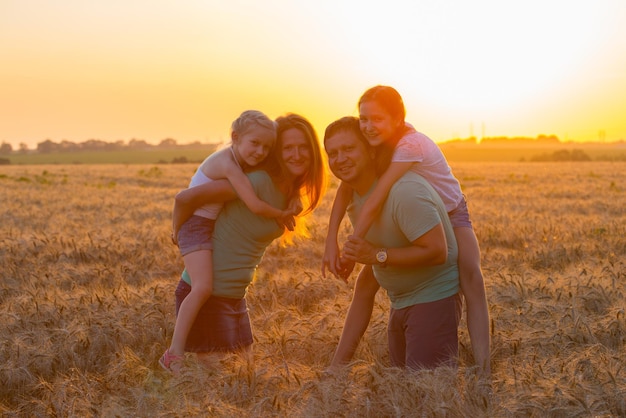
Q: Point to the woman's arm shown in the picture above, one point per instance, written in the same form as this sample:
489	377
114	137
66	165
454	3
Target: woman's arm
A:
188	200
331	250
375	201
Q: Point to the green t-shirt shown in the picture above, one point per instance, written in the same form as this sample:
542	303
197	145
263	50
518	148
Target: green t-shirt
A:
412	208
240	239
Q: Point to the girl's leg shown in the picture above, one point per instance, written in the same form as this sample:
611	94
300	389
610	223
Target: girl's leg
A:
473	288
199	265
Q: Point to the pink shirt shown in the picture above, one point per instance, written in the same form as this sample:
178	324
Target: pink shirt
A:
430	163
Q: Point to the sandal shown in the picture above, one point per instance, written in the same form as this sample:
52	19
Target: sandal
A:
168	360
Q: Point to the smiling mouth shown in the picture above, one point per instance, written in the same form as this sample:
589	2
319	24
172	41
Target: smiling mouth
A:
344	169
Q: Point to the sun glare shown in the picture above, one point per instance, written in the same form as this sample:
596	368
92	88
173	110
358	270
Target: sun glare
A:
527	67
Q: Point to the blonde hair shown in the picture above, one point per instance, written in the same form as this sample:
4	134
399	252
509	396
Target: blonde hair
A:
251	119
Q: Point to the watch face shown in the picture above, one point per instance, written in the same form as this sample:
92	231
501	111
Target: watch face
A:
381	256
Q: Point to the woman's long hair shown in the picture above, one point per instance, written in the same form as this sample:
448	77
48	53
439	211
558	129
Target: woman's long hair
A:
311	185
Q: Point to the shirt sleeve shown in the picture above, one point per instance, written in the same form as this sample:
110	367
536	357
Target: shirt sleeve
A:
409	149
415	209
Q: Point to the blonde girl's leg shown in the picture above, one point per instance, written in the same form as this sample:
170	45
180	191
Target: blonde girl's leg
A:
199	265
473	288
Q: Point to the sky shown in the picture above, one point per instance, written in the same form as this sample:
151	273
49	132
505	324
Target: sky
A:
153	69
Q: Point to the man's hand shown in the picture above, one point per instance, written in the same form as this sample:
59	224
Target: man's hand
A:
359	250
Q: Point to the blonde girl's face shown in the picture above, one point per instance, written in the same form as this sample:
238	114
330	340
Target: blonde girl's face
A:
377	125
296	152
253	146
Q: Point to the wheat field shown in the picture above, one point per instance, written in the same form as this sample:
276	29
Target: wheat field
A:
87	306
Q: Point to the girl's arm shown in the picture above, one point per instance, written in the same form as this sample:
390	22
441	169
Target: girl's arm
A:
295	205
188	200
243	187
375	201
331	251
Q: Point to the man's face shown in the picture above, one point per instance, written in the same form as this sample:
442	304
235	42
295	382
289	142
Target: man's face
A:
348	157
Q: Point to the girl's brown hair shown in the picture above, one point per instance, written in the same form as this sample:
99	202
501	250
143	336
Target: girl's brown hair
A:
390	100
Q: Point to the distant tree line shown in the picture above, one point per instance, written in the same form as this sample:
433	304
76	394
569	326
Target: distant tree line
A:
577	155
49	146
540	139
563	155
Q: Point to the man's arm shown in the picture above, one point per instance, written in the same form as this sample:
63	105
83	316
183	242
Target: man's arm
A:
358	317
430	249
188	200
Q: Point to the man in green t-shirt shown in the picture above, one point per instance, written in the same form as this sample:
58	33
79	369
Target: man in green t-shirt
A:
409	250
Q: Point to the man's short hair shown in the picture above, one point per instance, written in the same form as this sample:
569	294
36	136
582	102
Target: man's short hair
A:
347	123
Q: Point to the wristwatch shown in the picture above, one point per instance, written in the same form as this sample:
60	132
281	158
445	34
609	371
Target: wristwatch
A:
381	257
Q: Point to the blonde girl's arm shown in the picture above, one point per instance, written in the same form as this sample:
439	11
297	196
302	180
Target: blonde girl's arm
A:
375	201
295	206
331	250
243	187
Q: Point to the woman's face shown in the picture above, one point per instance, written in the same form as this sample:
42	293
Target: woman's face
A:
377	125
295	152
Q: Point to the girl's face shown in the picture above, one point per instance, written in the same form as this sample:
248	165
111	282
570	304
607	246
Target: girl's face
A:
377	125
253	146
295	152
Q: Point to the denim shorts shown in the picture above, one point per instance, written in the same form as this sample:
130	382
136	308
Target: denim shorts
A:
196	234
425	335
222	324
459	216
